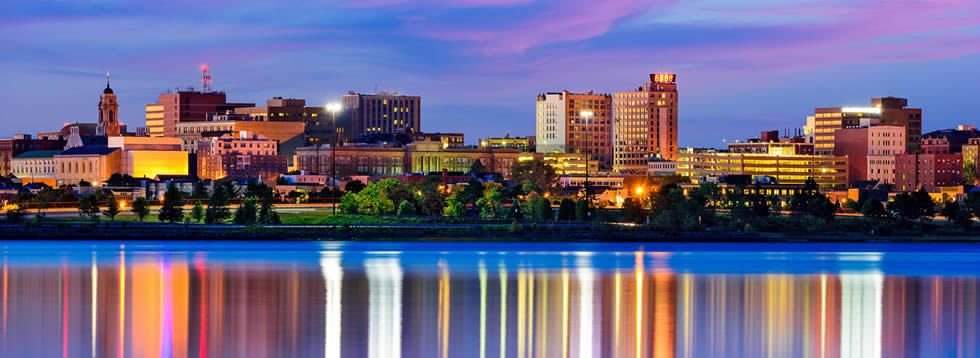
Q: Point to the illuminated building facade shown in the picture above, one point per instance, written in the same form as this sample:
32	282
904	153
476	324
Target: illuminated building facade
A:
929	171
147	157
894	113
242	155
448	140
523	144
645	124
420	157
971	155
185	106
381	113
91	163
827	121
23	143
870	151
282	109
288	135
827	171
569	122
35	167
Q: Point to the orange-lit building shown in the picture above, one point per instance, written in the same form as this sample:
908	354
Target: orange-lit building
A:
786	168
288	135
147	157
185	106
645	124
35	167
578	123
241	155
91	163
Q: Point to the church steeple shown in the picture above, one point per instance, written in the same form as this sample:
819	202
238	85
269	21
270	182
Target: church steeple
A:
108	112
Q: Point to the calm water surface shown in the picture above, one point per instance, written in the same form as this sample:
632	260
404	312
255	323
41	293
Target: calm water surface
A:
305	299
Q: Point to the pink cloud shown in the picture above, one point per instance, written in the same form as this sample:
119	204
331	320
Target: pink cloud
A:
565	21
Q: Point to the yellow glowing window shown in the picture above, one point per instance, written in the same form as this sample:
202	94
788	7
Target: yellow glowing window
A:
154	108
385	102
314	114
154	115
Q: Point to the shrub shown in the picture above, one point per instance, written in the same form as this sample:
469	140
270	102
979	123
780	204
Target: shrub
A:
406	208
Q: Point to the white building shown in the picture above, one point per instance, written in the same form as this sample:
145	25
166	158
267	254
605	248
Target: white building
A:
550	123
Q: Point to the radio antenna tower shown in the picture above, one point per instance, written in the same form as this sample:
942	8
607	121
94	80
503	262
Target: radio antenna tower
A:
205	78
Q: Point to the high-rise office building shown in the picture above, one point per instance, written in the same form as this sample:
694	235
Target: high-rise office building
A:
894	113
185	106
888	111
575	123
645	124
381	113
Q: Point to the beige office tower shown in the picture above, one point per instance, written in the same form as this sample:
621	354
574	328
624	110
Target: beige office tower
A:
645	124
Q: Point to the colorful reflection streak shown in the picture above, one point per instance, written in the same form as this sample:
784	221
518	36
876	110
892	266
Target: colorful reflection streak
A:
108	302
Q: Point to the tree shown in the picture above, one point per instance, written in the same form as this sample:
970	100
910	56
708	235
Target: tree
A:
970	173
172	210
432	203
454	206
141	207
197	213
354	186
84	184
403	193
633	210
873	209
956	214
924	203
268	214
582	210
536	172
472	191
490	202
14	213
566	209
112	208
348	203
406	208
200	191
217	211
478	168
88	207
375	199
247	212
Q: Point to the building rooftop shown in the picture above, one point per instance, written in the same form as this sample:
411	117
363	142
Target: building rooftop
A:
38	154
89	150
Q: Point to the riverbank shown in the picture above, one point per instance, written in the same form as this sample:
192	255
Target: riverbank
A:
529	232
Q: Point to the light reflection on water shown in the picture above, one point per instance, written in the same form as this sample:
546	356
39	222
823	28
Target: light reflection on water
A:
256	299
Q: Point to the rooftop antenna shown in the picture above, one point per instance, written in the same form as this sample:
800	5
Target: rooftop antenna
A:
205	78
106	78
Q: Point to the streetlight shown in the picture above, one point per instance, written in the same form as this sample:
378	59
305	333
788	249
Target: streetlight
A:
333	108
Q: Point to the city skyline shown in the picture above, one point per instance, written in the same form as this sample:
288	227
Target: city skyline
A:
479	72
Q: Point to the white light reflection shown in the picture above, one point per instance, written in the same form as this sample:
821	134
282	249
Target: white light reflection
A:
586	282
333	276
385	312
861	307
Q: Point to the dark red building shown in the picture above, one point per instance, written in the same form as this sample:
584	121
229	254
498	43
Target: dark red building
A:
929	171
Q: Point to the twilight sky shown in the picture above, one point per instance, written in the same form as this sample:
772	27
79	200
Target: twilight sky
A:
743	66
